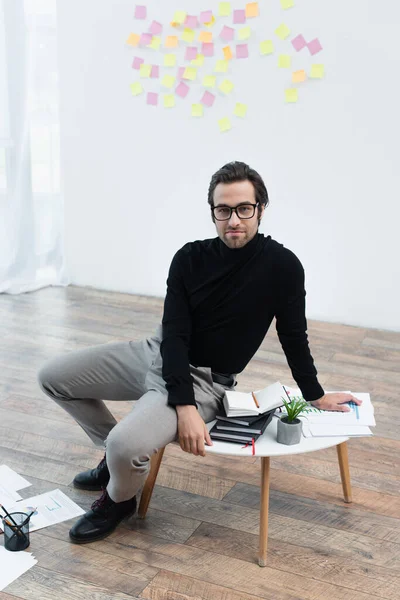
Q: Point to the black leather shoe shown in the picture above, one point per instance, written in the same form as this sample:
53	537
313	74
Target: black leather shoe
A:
101	519
94	479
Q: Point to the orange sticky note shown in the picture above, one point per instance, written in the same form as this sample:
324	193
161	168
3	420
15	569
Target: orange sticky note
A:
171	41
133	39
227	53
299	76
205	37
252	9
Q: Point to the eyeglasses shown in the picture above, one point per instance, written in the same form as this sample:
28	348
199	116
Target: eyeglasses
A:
224	213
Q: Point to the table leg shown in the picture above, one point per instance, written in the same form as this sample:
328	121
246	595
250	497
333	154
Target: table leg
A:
264	506
344	470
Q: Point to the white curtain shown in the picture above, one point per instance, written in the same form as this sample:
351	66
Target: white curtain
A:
31	208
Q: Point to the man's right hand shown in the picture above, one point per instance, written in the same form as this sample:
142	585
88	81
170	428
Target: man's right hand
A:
192	431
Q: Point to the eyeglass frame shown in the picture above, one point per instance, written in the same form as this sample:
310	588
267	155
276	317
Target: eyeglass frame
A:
235	208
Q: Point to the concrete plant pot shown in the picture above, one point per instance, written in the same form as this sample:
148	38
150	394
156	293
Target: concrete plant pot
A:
289	433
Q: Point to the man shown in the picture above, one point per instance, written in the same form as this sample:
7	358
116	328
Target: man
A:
222	295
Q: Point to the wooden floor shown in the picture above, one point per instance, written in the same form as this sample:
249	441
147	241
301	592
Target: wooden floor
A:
200	538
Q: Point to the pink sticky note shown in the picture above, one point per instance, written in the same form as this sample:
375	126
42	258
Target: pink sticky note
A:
181	71
145	39
155	72
206	16
299	43
137	61
314	46
152	98
208	99
191	53
227	34
207	49
182	90
191	22
242	51
155	28
140	12
239	16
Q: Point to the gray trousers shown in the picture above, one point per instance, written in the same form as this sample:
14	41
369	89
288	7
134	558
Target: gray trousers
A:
80	381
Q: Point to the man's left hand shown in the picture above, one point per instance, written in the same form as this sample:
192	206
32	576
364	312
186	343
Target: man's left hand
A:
336	401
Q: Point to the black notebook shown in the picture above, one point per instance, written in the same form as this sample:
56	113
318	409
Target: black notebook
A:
233	432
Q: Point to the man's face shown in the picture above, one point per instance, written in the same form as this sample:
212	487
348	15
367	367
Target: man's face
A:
236	232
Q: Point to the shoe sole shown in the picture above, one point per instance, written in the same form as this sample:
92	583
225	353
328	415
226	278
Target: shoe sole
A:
90	488
102	535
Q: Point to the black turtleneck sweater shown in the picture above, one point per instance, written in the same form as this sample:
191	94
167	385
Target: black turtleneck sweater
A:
219	305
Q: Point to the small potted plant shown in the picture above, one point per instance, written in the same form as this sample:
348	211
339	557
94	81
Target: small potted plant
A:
289	426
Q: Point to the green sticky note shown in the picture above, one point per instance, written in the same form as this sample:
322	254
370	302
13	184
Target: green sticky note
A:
169	100
209	81
136	88
145	70
284	61
266	47
282	31
224	124
190	73
188	35
244	33
287	4
317	71
291	95
224	9
221	66
226	86
168	81
197	110
198	61
179	17
155	43
240	110
169	60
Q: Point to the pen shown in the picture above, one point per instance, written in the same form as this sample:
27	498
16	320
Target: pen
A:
286	393
255	399
355	406
8	516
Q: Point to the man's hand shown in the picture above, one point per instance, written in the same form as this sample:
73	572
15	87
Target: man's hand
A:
192	430
336	401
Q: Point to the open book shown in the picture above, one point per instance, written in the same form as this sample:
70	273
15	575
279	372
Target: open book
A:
245	404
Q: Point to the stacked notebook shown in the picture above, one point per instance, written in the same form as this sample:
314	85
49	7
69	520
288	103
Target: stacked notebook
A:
242	430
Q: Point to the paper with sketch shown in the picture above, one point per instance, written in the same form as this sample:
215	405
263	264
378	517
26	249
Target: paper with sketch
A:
13	565
51	508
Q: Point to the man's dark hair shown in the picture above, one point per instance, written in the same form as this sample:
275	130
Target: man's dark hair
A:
239	171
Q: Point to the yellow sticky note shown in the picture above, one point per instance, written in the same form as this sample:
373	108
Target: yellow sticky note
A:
133	39
284	61
136	88
145	70
197	110
168	81
266	47
224	124
206	37
226	86
244	33
299	76
221	66
209	81
190	73
198	61
252	9
188	35
317	71
155	43
179	17
282	31
227	53
169	100
224	9
240	109
291	95
171	41
169	60
210	23
287	4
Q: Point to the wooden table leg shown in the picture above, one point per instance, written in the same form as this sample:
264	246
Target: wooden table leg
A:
149	483
343	457
264	506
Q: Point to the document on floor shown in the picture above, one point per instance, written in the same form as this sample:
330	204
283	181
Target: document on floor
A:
10	483
49	508
13	565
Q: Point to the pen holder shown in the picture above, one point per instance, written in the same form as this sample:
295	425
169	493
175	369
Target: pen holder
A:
16	531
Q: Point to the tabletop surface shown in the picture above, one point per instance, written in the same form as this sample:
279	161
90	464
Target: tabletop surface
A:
266	445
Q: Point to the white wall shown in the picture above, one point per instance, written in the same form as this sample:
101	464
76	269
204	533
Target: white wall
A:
136	177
